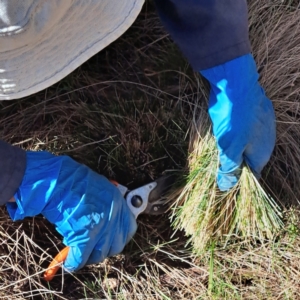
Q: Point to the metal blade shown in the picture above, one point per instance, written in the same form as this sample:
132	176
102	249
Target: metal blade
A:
137	200
156	201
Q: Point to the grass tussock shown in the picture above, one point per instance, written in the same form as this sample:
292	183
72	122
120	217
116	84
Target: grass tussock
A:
209	216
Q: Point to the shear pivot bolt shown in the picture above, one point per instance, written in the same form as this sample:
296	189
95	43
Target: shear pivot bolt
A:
136	201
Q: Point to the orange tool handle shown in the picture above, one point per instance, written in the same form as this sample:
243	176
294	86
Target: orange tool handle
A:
61	256
115	183
53	267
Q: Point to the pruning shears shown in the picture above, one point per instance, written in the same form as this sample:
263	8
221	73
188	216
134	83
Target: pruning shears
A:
147	199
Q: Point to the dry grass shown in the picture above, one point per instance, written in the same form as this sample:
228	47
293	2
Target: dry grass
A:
274	29
129	120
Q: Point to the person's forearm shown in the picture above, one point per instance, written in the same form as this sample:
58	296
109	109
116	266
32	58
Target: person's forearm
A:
208	32
87	209
213	35
12	169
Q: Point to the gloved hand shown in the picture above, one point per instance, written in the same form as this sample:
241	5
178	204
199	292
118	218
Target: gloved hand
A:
243	119
88	211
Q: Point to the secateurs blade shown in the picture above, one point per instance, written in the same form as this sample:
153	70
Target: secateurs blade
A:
147	199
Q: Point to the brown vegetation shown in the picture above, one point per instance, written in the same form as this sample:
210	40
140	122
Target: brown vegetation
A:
126	113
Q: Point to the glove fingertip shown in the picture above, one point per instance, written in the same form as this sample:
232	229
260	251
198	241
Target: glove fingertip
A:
226	181
75	260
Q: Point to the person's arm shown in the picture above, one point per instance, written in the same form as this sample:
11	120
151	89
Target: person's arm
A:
208	32
86	208
12	169
213	35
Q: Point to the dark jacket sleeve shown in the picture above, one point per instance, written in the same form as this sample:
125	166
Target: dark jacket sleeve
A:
208	32
12	169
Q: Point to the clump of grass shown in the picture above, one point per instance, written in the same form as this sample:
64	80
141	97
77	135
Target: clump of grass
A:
210	216
257	214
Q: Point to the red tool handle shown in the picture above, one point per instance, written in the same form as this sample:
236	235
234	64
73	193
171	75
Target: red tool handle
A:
54	266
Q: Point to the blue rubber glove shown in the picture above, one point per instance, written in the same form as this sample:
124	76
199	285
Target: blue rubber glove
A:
88	211
243	119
